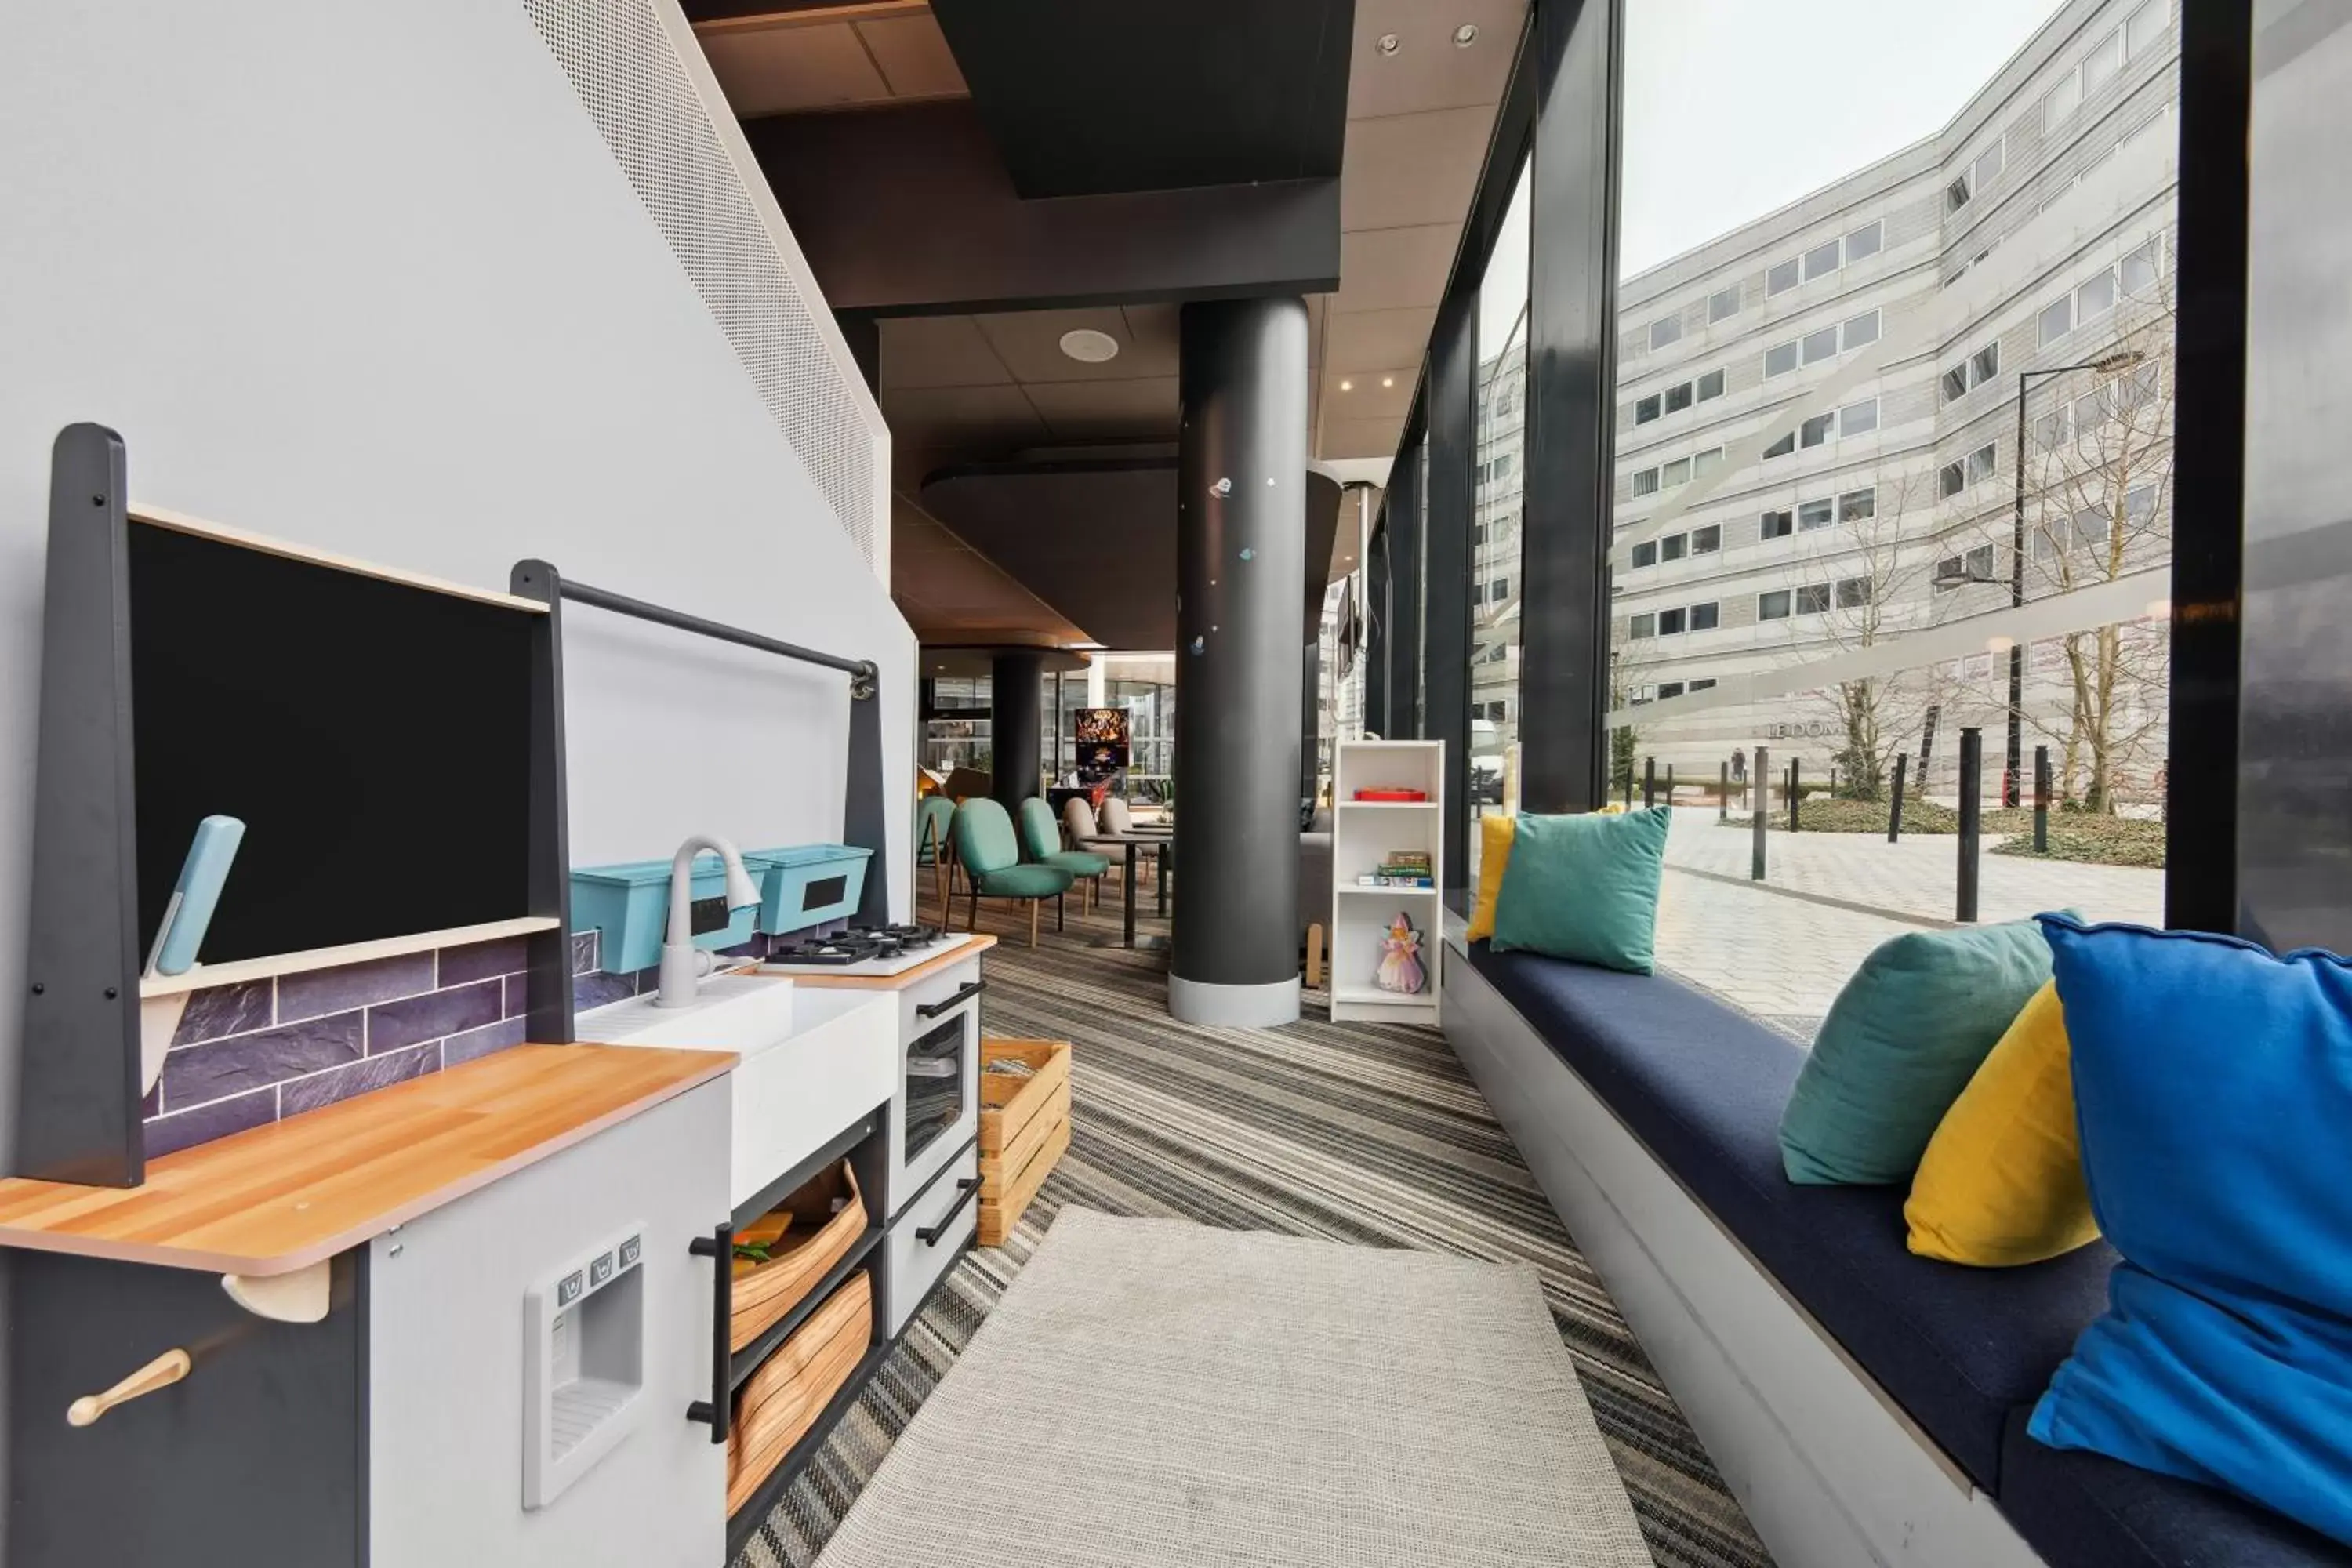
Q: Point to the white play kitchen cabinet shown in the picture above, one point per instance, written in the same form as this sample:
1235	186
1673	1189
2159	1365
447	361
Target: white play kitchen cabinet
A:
462	1328
488	1315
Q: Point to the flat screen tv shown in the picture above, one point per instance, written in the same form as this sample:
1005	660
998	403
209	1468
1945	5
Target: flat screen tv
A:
370	733
1102	738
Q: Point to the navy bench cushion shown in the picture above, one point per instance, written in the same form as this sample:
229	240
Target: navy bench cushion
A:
1703	1087
2076	1508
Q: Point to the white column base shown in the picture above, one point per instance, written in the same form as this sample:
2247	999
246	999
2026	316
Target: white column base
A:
1234	1006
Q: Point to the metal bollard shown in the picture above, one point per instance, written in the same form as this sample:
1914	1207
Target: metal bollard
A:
1670	783
2041	800
1758	818
1895	815
1649	783
1794	795
1971	814
1723	792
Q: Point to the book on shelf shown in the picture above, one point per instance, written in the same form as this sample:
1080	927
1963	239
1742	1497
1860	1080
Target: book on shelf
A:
1386	879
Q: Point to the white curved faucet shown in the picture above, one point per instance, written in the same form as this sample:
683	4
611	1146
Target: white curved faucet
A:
683	965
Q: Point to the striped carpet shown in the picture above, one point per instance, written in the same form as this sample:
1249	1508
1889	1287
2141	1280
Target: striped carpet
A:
1367	1134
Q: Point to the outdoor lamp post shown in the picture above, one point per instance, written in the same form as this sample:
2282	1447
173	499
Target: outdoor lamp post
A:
2013	761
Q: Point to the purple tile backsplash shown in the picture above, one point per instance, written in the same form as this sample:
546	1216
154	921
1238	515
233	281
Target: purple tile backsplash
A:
250	1053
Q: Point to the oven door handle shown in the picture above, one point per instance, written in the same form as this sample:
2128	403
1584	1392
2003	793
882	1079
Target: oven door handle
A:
929	1235
933	1009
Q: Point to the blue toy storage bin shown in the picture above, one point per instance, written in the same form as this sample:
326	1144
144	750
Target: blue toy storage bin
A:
807	886
630	904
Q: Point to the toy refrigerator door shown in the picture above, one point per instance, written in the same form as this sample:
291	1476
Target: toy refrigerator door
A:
455	1303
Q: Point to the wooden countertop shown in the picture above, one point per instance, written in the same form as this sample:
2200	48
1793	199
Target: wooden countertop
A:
282	1197
819	979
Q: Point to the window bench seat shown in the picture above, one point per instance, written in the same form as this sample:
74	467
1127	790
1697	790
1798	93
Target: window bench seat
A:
1865	1404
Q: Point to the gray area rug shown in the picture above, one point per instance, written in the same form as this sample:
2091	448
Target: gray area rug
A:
1163	1395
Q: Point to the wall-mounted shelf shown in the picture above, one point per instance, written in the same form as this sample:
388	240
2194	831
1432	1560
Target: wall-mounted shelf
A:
206	975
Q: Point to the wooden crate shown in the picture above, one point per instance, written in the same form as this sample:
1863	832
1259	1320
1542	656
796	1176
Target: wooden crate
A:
1024	1127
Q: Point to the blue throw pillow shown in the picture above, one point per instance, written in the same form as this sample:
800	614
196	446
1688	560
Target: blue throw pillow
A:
2213	1091
1584	887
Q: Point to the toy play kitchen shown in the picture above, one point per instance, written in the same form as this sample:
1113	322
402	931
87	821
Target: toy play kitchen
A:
314	1261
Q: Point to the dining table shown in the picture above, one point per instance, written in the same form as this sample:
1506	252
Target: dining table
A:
1161	840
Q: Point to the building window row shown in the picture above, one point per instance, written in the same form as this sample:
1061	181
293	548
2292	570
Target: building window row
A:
2102	63
1677	546
1665	688
1681	395
1854	419
1677	473
2095	296
1972	372
2124	395
1674	622
1814	598
1842	251
2093	528
1824	343
1972	181
1973	469
1971	566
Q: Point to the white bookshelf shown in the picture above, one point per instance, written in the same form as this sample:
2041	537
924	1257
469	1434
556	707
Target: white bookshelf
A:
1362	833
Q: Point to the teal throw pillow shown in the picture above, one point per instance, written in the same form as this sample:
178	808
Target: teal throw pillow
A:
1900	1043
1584	887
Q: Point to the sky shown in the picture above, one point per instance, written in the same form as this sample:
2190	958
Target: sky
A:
1734	108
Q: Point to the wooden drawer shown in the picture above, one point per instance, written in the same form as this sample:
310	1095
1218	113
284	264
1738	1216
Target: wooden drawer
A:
816	1240
927	1239
781	1400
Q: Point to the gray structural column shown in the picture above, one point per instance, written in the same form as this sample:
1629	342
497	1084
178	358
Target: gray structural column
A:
1241	575
1015	728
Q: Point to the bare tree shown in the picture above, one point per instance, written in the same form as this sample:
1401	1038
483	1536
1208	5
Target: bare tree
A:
2098	475
1863	568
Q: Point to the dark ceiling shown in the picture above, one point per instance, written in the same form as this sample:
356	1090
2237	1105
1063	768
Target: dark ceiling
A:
1088	97
1095	539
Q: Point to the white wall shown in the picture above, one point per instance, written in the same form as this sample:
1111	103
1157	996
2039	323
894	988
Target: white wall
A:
364	276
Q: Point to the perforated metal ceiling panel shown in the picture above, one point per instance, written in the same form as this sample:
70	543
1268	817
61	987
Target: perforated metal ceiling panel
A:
622	64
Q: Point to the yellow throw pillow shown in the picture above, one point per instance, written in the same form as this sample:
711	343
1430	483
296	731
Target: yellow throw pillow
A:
2002	1182
1495	834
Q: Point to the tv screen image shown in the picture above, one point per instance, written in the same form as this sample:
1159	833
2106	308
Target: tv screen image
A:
1102	738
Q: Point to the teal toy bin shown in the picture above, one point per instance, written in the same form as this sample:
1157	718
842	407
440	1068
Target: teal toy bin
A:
630	904
807	886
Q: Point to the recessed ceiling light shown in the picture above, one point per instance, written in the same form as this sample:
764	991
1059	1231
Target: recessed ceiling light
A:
1088	346
1386	43
1347	386
1388	380
1466	34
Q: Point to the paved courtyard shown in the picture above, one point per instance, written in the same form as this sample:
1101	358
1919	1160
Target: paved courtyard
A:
1781	949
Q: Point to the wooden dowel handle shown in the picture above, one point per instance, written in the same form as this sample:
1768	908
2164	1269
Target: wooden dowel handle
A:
162	1372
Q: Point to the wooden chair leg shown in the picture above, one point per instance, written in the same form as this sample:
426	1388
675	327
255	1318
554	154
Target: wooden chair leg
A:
1315	956
1032	921
971	918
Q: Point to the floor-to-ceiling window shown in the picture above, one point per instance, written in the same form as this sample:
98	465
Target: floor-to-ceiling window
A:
1862	248
1499	480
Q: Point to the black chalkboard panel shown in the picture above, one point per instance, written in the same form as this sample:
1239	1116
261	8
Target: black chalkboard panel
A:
372	734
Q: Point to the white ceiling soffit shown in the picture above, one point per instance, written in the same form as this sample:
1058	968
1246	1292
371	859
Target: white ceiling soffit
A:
844	57
1418	119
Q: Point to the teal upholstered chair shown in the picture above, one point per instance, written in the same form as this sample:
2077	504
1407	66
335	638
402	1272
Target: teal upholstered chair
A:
991	859
1040	837
934	820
